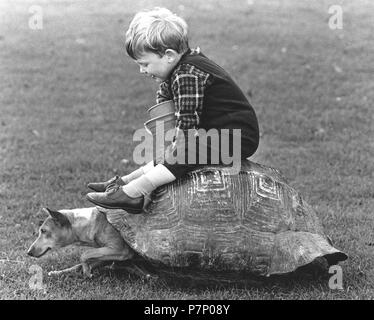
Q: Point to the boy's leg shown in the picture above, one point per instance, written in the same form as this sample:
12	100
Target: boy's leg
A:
102	186
131	196
151	180
138	172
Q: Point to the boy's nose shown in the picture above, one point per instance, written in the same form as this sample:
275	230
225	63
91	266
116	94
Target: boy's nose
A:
142	70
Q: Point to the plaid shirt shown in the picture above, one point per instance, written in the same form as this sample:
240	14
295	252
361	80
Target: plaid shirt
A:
186	88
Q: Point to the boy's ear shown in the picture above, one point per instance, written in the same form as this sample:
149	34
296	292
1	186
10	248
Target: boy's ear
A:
171	54
58	217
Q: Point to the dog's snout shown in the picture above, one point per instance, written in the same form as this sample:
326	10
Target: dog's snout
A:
30	252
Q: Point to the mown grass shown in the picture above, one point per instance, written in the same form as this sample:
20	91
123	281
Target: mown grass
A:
71	99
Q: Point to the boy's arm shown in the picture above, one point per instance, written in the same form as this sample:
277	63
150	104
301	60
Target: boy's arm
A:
163	93
188	95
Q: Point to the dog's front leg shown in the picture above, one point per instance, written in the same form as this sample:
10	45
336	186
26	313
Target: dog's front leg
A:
93	258
67	270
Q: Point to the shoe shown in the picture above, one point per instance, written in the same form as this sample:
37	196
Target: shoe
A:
102	186
116	198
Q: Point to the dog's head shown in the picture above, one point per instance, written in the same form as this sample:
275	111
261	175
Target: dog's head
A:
52	234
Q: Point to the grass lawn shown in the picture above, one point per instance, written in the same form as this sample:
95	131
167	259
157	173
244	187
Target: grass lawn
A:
70	100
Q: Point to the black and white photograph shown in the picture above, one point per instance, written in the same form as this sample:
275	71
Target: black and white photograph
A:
188	155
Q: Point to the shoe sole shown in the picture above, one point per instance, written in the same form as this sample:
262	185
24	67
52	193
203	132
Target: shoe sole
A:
129	210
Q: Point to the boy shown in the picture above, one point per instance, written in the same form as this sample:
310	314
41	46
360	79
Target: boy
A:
205	98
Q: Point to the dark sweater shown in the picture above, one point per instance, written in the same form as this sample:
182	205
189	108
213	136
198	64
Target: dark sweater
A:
225	105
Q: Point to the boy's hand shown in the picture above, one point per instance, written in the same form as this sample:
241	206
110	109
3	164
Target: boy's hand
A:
180	141
171	153
168	154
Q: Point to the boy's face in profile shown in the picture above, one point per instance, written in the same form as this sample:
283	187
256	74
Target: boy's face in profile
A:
157	67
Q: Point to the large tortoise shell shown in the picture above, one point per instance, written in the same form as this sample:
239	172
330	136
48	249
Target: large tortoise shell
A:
212	220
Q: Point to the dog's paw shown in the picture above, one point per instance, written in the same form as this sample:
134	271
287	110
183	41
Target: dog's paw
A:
151	277
88	275
86	270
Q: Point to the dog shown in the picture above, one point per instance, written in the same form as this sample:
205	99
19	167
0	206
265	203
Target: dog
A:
84	226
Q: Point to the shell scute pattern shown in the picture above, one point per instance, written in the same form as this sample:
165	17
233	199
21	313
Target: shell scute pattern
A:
252	221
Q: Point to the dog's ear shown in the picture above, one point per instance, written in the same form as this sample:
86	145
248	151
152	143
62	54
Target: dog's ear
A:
59	217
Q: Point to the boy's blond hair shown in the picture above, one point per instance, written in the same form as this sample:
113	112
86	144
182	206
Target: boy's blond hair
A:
156	31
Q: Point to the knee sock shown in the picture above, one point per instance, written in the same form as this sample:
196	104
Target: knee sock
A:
151	180
138	172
